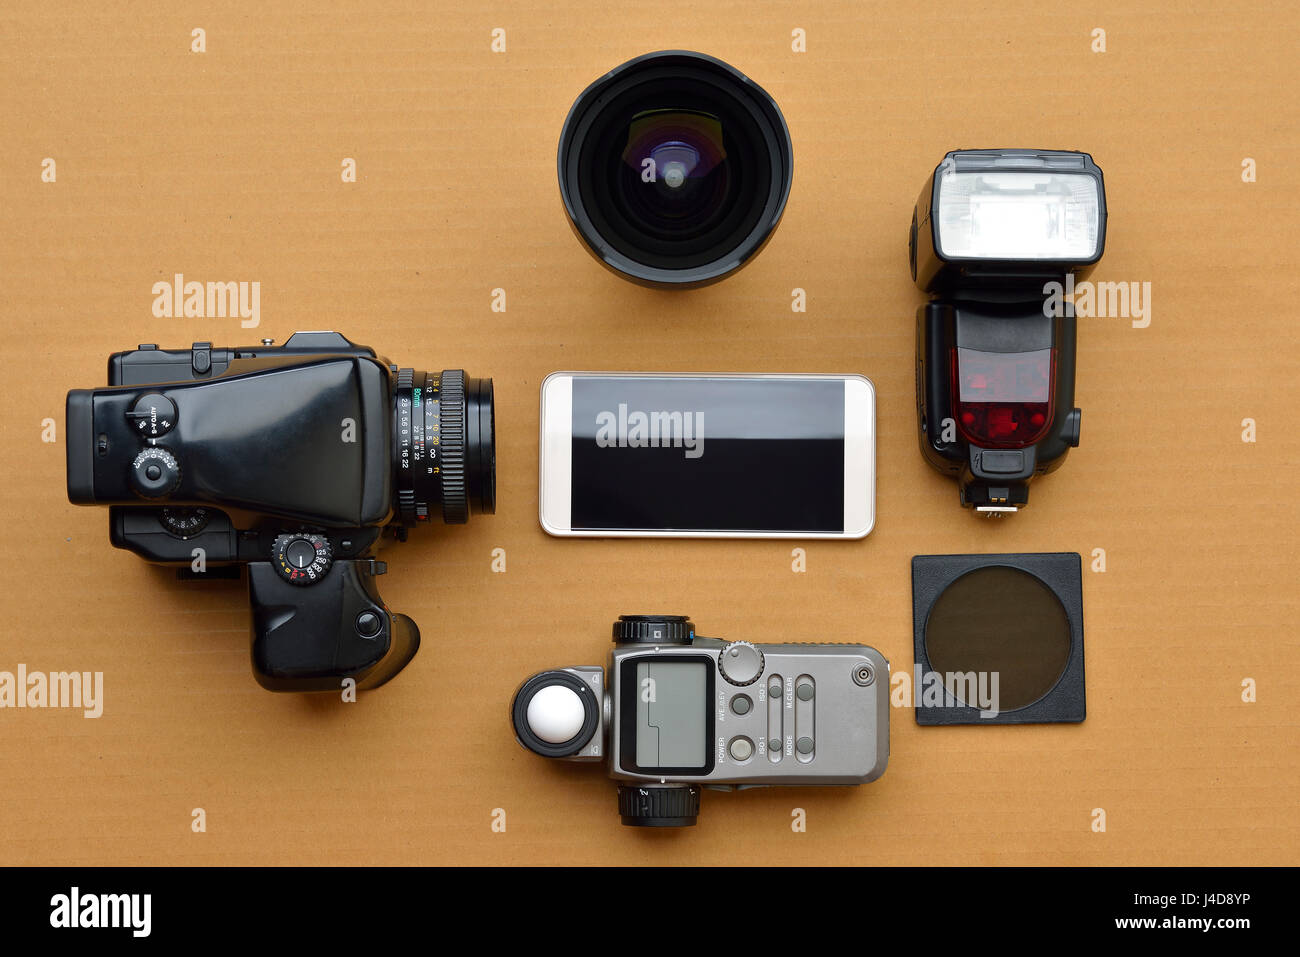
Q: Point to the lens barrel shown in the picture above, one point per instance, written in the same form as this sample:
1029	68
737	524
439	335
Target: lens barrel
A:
444	448
675	169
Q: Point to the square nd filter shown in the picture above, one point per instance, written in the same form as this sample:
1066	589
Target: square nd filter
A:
998	638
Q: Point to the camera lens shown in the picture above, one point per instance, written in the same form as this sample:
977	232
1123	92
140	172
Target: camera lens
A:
675	169
444	449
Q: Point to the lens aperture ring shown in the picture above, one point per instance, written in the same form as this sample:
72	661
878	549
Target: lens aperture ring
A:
452	428
403	411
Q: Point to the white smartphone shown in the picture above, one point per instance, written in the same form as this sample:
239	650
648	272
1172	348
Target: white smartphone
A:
708	455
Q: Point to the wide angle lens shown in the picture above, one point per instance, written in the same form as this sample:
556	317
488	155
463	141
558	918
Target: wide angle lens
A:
444	448
675	169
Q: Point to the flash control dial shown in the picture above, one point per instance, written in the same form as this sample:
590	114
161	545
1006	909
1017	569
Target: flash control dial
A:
301	558
740	663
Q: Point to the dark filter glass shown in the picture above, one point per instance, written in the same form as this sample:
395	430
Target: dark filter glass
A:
1000	620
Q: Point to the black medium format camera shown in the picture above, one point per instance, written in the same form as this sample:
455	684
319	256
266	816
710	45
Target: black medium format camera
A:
295	460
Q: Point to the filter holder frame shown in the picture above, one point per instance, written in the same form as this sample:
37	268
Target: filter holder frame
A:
1062	573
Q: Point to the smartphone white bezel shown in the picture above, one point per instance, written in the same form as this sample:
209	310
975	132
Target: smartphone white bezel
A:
555	466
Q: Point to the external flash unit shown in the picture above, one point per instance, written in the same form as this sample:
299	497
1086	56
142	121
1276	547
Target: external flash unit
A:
995	354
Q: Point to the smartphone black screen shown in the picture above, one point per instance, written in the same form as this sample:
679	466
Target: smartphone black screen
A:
708	454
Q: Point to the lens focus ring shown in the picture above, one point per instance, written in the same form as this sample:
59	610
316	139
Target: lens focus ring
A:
451	427
444	458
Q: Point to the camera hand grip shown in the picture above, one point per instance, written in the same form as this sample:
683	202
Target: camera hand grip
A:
310	638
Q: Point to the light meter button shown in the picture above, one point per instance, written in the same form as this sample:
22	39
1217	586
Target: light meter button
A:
805	718
775	717
741	749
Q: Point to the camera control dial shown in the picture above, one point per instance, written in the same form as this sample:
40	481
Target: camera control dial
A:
740	663
302	559
152	415
654	629
184	522
155	473
649	805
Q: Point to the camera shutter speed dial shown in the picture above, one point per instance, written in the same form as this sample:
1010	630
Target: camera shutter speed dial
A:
740	663
302	559
155	473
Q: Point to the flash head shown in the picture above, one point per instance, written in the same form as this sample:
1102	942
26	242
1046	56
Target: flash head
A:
995	365
674	169
1007	218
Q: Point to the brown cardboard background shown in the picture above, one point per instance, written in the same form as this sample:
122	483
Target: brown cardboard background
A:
225	166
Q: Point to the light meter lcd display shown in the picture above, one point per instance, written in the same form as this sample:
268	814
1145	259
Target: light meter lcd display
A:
667	714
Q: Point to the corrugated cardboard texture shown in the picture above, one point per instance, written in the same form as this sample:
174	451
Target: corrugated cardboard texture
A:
225	165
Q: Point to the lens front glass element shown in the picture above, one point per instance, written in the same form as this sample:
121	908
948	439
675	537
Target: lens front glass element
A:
675	181
675	168
675	176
